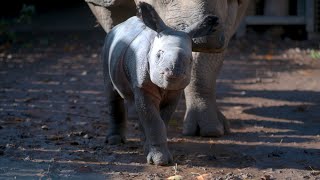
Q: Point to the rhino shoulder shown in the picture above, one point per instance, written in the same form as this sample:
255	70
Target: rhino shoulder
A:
126	31
124	50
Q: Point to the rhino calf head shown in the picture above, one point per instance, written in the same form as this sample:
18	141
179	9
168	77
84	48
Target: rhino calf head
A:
170	56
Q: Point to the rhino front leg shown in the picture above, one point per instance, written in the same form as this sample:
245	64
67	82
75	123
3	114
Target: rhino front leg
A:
156	146
168	107
202	114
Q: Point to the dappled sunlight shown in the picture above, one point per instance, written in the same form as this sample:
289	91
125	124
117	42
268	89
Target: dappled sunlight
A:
53	117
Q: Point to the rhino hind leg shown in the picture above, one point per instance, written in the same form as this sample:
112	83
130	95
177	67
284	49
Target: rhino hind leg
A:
116	116
117	121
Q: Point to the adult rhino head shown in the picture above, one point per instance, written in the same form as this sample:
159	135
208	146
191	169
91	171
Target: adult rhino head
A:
180	14
202	114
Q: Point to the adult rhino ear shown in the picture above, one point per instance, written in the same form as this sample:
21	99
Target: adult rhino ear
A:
203	28
150	17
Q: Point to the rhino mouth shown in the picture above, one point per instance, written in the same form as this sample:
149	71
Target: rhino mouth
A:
175	84
171	83
213	43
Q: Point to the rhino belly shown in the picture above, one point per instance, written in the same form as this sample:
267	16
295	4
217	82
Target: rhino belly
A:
120	81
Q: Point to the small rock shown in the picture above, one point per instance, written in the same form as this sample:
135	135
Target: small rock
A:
73	79
258	80
45	127
243	93
84	73
266	177
10	145
306	177
134	174
246	176
94	55
87	136
201	156
27	158
77	133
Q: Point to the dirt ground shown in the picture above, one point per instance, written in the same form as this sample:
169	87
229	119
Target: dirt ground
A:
52	113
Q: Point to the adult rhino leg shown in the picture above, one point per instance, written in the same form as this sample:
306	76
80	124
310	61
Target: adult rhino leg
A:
202	114
115	13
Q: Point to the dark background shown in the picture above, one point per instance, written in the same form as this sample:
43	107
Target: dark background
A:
13	8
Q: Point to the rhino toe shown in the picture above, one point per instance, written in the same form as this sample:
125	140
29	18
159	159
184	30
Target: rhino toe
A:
159	156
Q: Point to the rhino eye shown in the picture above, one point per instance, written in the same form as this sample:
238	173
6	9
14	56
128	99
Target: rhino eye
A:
159	53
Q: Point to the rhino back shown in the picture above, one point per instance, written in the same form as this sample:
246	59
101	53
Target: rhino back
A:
121	52
136	58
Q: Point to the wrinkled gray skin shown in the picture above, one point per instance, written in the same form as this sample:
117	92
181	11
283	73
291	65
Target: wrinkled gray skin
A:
202	115
148	63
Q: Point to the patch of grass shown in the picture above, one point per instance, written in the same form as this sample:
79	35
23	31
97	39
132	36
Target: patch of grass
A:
315	54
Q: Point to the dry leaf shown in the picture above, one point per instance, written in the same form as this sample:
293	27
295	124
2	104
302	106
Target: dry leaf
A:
176	177
204	177
269	57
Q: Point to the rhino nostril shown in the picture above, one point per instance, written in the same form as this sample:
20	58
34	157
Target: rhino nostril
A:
168	73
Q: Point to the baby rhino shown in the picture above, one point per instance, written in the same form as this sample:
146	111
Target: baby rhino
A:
148	63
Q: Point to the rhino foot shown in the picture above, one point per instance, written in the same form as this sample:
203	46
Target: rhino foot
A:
159	156
205	124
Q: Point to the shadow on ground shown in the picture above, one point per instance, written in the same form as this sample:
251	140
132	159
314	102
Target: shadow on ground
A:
52	114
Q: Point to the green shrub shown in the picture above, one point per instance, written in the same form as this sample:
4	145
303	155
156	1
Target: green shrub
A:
315	54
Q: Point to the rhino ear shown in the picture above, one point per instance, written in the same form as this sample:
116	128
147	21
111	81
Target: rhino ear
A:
203	28
150	17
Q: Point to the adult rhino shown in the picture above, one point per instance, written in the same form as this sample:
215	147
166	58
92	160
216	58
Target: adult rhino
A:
202	115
